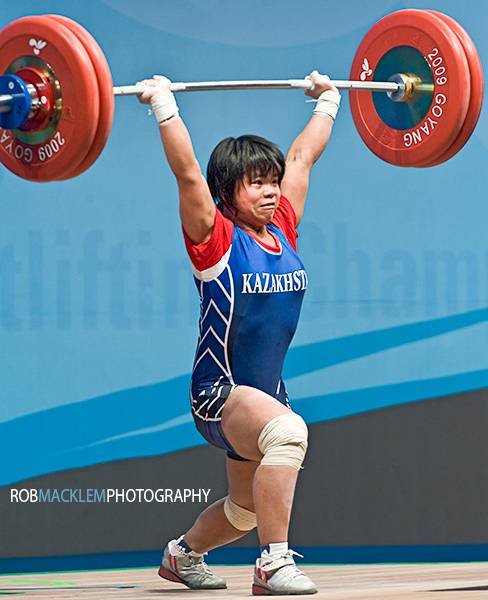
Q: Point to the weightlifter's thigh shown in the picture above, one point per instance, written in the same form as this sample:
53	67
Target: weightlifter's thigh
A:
247	410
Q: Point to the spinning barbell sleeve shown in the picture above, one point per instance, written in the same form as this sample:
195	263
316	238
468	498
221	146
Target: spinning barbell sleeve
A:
5	102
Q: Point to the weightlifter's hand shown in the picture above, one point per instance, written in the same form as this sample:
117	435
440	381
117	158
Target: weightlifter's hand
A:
152	87
326	94
321	83
157	93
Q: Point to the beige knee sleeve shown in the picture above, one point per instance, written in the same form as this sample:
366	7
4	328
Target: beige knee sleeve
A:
239	517
283	441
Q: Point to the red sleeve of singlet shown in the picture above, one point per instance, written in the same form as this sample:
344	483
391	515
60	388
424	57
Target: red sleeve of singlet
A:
206	255
286	219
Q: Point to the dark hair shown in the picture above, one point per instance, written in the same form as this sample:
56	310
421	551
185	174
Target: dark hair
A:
234	158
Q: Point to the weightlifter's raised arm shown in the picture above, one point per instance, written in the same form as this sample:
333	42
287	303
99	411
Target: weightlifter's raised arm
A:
311	142
197	208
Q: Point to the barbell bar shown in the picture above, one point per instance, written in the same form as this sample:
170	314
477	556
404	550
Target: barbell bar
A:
264	84
424	61
7	100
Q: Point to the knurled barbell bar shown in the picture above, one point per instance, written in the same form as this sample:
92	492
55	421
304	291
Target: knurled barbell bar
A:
57	95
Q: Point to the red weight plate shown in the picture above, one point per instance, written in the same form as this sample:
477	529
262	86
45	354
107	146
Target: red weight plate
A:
476	95
52	153
105	87
429	37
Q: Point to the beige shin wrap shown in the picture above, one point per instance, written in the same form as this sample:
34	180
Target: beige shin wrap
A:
283	441
239	517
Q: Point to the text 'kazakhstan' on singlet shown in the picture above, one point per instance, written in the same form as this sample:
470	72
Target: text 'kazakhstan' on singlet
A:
250	299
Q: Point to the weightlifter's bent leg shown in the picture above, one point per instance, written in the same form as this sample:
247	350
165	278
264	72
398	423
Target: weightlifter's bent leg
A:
262	429
225	521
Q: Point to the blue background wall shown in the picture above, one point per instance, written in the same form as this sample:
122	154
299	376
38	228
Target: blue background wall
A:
98	309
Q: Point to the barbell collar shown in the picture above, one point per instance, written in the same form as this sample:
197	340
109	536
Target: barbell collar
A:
18	104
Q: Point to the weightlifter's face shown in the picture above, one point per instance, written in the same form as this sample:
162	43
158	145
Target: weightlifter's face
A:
256	198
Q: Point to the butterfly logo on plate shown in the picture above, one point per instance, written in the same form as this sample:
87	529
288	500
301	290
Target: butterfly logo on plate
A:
37	45
366	72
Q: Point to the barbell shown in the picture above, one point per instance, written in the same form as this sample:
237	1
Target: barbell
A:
416	90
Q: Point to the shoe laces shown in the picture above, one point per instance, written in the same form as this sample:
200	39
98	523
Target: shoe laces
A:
198	561
292	570
292	553
285	563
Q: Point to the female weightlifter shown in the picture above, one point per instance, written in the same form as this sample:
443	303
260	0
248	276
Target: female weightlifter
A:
240	233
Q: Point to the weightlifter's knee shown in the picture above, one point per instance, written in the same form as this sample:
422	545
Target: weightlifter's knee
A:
283	441
239	517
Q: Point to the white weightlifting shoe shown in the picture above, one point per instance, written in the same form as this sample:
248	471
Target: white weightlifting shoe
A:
192	571
278	575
